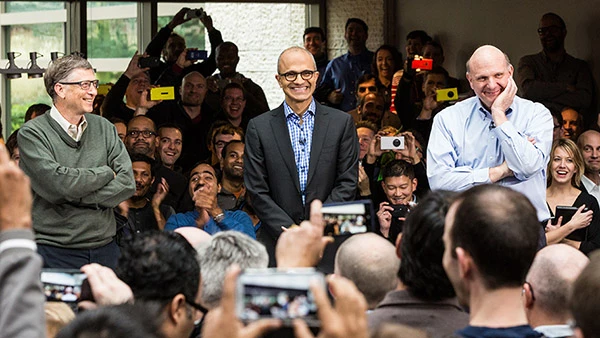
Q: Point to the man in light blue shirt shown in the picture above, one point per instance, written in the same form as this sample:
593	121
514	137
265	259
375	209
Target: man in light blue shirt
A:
494	137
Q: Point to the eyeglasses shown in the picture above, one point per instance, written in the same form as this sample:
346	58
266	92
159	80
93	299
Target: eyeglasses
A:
144	133
85	85
305	74
364	89
549	29
197	306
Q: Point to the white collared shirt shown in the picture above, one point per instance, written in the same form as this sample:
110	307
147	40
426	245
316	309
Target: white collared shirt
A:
75	131
591	187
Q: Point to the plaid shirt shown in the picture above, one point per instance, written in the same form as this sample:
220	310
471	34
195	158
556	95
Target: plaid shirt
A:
301	137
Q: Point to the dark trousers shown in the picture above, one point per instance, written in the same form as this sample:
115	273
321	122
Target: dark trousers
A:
63	258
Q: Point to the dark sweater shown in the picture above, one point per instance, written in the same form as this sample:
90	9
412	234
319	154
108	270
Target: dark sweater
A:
75	185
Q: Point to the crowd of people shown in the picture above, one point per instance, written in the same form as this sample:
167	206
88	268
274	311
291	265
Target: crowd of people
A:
482	212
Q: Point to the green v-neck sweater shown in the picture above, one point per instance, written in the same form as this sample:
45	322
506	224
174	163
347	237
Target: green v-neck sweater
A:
75	185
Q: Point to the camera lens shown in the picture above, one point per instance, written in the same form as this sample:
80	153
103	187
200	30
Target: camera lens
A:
396	142
450	94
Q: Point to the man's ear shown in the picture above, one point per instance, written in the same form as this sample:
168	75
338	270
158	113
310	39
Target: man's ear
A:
398	245
177	309
59	90
465	263
218	188
527	296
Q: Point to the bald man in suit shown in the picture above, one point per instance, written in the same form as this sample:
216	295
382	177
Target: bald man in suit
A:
298	152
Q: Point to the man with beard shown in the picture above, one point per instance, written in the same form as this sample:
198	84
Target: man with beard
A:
141	139
192	115
208	214
231	196
372	108
144	214
555	78
227	61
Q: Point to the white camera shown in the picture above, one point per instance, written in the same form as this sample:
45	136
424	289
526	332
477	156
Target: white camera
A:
392	142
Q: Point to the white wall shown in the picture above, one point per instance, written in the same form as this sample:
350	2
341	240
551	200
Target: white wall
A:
462	25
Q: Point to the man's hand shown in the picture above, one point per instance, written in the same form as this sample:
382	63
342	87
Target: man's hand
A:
409	153
15	195
182	60
500	172
374	149
133	68
364	184
145	103
336	96
384	214
179	18
222	320
429	104
503	102
348	319
207	22
106	287
161	193
302	246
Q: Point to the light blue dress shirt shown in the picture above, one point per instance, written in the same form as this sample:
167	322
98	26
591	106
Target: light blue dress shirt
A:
464	144
301	137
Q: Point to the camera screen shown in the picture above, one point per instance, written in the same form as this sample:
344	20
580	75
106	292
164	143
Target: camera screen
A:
347	218
277	295
62	286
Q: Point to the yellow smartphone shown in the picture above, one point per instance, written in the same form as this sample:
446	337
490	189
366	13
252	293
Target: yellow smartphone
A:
449	94
103	89
162	93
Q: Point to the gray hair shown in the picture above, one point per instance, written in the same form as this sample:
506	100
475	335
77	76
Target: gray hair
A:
60	69
224	249
371	263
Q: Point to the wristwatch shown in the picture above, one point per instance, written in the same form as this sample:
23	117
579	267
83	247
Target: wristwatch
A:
219	218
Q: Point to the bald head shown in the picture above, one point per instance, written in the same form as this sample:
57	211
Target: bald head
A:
371	263
553	272
589	144
290	51
486	54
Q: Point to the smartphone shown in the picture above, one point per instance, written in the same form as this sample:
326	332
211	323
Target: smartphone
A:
392	142
103	89
347	218
149	62
275	293
420	63
162	93
567	212
449	94
63	285
196	55
397	225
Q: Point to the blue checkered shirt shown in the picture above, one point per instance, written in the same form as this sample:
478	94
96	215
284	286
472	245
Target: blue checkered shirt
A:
301	137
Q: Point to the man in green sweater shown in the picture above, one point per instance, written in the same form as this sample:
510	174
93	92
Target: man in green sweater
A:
79	171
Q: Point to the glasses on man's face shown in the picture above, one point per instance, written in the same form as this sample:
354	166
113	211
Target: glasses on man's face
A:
197	306
85	85
144	133
305	75
364	89
549	29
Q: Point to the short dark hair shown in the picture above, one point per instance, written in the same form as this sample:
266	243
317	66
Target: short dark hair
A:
556	17
396	55
317	30
144	158
358	21
230	86
158	266
434	44
499	228
11	142
422	248
139	320
419	34
368	125
585	298
439	71
37	109
170	125
224	151
397	168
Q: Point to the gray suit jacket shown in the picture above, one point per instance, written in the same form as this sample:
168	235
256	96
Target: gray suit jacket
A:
270	172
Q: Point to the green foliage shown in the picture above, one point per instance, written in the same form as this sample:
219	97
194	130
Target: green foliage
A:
30	6
192	31
114	38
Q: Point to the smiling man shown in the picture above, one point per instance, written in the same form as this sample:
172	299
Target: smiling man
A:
79	171
493	137
299	152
